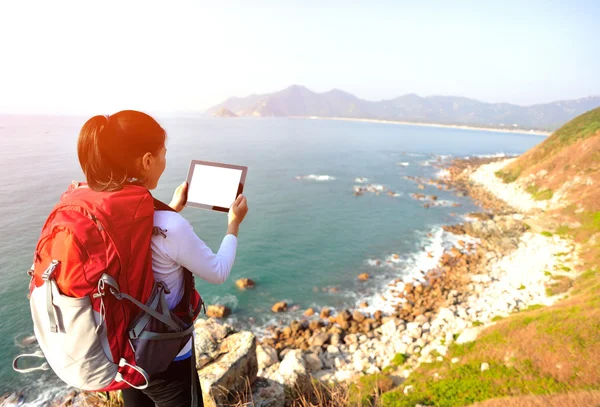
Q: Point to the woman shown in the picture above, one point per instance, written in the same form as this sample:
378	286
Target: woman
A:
129	147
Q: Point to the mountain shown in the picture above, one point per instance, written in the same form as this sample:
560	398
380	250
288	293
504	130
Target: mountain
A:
299	101
224	112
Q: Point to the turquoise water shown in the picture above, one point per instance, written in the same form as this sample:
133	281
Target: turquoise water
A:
300	236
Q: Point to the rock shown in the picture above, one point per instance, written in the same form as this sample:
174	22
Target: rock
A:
363	276
244	283
202	360
232	371
309	312
313	363
315	325
358	316
342	317
319	339
292	370
279	307
389	328
266	356
333	350
446	314
455	360
378	315
204	343
485	366
268	393
468	335
325	313
363	305
218	311
408	389
335	339
350	338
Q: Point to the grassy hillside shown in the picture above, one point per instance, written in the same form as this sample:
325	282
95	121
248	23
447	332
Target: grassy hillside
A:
544	350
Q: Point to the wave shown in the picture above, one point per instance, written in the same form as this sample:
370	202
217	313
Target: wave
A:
411	267
314	177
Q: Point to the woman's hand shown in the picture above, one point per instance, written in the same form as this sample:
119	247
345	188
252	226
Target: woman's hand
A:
237	213
179	197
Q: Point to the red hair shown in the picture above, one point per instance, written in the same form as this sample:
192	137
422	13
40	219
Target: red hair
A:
110	147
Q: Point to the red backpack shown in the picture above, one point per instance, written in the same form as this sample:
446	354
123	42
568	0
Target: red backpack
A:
101	320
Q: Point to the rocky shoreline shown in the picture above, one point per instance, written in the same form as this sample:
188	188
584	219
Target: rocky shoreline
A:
496	268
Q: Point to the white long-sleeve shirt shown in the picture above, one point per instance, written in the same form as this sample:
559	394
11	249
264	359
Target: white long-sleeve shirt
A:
183	248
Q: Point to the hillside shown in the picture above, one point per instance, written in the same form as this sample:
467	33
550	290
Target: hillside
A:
541	355
565	167
298	101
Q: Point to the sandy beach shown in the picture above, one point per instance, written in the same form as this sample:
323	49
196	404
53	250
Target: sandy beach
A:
448	126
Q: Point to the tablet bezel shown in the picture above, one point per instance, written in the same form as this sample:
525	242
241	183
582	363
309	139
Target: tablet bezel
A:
214	164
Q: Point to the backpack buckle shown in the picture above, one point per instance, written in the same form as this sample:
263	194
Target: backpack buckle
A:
48	273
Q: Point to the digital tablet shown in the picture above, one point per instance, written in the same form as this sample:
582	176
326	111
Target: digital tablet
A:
214	185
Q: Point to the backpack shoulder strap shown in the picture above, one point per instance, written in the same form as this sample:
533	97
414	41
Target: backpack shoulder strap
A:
185	308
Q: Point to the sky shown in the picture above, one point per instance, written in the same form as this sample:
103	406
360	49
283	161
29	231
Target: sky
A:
96	57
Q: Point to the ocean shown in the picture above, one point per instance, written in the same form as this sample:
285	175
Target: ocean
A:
306	237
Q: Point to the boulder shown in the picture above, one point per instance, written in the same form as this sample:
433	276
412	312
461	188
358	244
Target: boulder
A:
363	276
389	328
218	311
268	393
232	371
313	362
468	335
309	312
319	339
358	316
244	283
266	356
279	307
325	313
315	325
342	317
292	370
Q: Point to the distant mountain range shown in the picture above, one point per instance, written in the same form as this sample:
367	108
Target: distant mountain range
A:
298	101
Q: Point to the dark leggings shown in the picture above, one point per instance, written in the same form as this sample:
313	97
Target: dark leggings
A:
171	388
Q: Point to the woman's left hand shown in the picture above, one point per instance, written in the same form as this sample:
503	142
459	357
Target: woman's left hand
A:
179	197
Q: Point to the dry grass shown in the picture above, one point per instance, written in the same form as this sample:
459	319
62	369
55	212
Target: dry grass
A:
577	399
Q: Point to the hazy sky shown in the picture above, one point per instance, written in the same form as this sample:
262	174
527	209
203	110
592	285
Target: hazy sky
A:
103	56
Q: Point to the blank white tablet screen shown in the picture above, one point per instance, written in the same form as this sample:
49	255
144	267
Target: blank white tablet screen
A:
214	186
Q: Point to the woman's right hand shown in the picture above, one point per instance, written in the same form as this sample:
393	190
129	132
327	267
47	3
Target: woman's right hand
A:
238	211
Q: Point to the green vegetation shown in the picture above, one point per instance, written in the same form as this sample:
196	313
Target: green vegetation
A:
533	307
506	177
561	254
547	273
399	359
467	384
497	318
582	127
368	388
546	233
522	287
477	323
563	230
538	195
